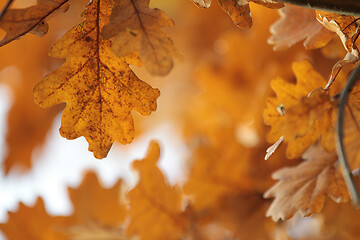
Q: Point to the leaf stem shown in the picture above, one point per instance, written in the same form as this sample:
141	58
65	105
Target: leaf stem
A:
345	7
344	95
7	5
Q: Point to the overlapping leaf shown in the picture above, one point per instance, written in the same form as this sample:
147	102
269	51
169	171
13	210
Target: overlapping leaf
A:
305	187
297	24
139	28
100	89
239	10
154	203
301	112
17	22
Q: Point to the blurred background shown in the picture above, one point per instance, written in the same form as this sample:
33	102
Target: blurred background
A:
209	112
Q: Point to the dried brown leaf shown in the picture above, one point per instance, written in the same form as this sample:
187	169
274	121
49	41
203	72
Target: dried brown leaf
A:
239	10
344	26
305	187
297	24
17	22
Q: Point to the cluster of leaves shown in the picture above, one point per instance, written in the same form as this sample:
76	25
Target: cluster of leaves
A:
229	184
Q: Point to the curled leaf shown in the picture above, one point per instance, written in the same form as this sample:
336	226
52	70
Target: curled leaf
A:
344	26
239	10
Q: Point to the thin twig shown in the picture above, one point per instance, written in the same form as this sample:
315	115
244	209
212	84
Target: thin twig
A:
7	5
344	95
346	7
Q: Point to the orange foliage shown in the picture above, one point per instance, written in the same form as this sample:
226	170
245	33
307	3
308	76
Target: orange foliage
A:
305	187
296	24
19	226
17	22
138	27
100	89
302	112
236	102
152	198
239	11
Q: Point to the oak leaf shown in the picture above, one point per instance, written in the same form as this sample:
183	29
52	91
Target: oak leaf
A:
153	198
301	112
239	10
99	212
86	199
305	187
297	24
100	89
139	28
17	22
32	223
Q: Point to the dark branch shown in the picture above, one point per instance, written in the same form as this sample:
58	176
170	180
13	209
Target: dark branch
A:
7	5
346	7
344	95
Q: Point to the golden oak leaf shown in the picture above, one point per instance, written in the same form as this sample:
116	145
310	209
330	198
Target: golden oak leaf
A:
95	204
344	26
98	213
32	223
295	25
139	28
302	112
100	89
153	198
304	188
239	10
17	22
